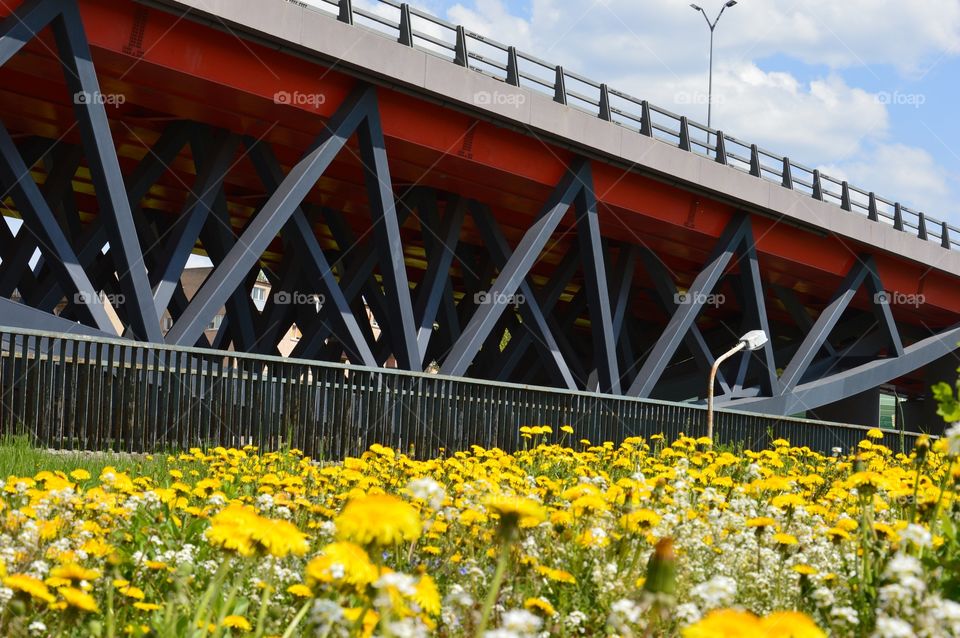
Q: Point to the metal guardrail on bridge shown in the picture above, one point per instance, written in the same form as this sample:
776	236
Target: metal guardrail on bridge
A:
416	28
76	392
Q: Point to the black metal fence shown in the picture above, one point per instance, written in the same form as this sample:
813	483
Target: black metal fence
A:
76	392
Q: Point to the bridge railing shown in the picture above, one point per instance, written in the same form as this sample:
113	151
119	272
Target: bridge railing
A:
417	28
77	392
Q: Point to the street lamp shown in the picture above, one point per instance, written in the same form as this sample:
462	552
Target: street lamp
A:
753	340
712	25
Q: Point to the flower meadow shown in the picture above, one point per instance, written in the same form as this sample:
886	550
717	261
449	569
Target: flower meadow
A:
564	538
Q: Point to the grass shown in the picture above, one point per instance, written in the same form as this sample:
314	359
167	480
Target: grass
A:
19	457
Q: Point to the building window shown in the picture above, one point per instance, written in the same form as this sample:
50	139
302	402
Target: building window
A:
167	323
259	295
215	324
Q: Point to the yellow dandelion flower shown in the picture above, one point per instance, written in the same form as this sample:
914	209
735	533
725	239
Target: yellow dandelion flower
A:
556	575
725	623
55	582
846	524
516	510
146	606
886	531
342	563
239	528
761	522
80	475
427	596
300	590
540	605
30	586
236	622
788	501
131	592
378	519
639	521
789	624
805	570
868	479
79	599
369	622
837	533
74	572
785	539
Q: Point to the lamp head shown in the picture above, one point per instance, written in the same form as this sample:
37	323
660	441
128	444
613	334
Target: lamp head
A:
731	3
696	7
754	340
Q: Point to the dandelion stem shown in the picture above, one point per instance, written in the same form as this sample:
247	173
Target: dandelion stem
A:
916	489
296	620
262	612
213	587
935	519
498	575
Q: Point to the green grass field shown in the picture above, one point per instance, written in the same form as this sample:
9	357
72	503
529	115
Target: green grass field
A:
19	457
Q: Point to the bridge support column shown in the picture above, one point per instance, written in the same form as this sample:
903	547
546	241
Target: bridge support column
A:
859	409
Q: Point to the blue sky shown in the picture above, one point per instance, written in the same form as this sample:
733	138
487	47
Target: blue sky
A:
864	89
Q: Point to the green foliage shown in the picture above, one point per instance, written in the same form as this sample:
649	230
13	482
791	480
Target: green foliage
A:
949	406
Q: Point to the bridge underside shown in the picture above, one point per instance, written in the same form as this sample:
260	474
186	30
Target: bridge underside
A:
131	139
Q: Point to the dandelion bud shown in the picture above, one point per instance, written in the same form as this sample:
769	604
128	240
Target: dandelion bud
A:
921	447
662	569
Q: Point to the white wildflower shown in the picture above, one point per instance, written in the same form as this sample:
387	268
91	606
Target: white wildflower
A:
521	621
903	565
428	490
952	435
917	534
892	628
719	591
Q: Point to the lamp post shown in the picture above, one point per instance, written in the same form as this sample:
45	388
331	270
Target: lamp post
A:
753	340
712	25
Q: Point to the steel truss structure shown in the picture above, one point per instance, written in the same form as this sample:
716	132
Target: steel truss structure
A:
577	328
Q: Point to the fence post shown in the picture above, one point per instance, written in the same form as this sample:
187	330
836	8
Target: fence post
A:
560	87
346	12
406	26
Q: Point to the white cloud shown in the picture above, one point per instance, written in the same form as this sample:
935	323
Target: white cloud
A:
909	35
823	119
658	51
909	172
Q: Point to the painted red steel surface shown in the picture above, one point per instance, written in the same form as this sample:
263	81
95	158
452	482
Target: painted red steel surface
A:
170	68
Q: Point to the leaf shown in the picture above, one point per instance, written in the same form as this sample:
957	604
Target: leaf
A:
949	407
